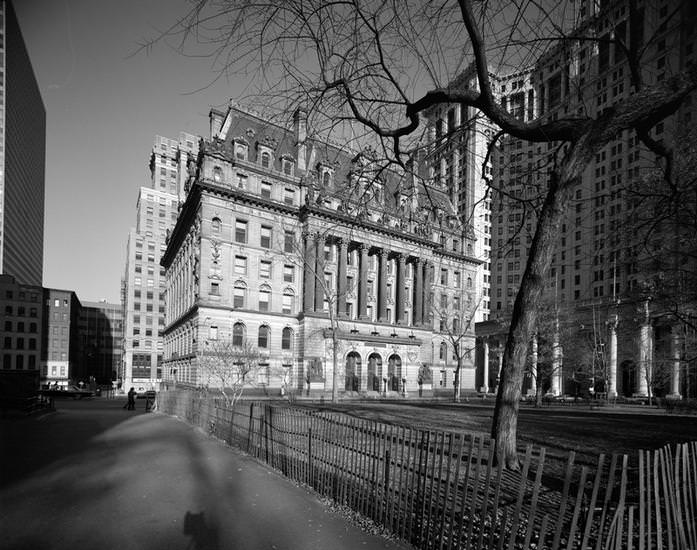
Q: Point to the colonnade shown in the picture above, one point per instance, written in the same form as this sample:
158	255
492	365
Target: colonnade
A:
314	285
642	361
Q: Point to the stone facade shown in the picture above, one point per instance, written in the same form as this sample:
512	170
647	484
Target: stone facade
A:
313	255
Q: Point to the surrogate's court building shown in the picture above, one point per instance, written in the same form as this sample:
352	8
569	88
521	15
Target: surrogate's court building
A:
308	252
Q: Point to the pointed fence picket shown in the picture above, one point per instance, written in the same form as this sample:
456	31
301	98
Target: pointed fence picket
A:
442	490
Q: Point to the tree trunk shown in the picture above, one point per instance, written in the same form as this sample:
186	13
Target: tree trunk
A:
524	318
335	366
456	389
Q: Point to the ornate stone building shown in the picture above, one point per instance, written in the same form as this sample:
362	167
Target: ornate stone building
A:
321	261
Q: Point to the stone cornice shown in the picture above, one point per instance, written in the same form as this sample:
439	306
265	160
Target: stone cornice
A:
373	338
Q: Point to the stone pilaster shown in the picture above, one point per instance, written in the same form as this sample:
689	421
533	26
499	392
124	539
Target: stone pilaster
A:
363	284
309	273
401	286
382	286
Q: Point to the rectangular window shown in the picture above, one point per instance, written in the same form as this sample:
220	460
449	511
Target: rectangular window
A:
288	273
265	238
265	269
215	291
288	304
288	241
266	189
241	181
444	276
240	265
240	231
238	297
289	196
264	299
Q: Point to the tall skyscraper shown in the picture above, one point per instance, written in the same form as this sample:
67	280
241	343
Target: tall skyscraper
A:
143	294
610	277
22	157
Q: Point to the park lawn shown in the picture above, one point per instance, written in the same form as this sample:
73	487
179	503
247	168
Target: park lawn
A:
560	429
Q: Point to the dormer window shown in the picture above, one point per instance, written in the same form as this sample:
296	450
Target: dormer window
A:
240	151
325	174
217	174
287	167
265	159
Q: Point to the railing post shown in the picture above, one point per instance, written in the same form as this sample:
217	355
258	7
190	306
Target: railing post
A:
309	456
249	431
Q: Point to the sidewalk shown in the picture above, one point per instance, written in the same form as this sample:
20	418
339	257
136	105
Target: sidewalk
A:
147	481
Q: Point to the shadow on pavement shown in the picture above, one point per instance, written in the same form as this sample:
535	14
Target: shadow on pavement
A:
203	536
30	443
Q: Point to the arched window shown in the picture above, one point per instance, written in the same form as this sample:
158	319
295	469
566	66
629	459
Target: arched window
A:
264	335
216	225
241	151
470	250
265	159
469	282
217	174
353	372
287	339
326	178
238	332
443	351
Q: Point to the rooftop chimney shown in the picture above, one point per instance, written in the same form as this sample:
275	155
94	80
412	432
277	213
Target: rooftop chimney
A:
300	128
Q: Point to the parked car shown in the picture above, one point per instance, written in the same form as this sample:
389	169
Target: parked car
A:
68	391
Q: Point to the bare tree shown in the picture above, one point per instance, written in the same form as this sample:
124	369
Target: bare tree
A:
375	67
457	330
228	367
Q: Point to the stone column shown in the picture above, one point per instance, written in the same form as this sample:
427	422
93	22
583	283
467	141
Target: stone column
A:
399	314
382	288
418	293
341	247
533	365
309	273
363	283
556	388
612	360
319	272
485	385
675	354
427	316
644	362
499	357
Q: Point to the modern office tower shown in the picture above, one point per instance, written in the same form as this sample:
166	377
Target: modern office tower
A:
319	262
143	283
101	341
21	323
22	157
609	275
60	347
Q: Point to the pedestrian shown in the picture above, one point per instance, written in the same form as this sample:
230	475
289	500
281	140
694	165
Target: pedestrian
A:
132	399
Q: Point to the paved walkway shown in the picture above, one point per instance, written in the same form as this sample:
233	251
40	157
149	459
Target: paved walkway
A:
92	475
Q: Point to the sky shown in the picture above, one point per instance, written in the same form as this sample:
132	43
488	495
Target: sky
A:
104	107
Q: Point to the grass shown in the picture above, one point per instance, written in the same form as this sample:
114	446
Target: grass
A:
621	430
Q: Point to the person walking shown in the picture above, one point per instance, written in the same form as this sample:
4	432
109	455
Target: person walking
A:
132	399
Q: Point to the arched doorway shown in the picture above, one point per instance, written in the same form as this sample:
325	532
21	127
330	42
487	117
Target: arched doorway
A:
374	371
628	372
353	371
394	372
